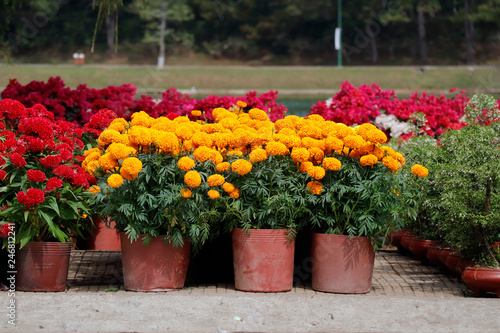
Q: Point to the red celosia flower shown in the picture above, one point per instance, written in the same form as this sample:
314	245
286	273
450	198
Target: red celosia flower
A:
64	171
36	176
3	174
66	155
37	126
17	160
50	161
35	144
31	198
12	109
6	230
52	184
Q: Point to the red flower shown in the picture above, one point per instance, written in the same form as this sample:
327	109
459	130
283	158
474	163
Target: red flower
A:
66	155
50	161
17	160
12	109
3	174
36	176
37	126
35	144
31	198
6	230
52	184
64	171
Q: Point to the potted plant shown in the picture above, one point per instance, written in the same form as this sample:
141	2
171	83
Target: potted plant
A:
43	194
468	178
151	182
357	201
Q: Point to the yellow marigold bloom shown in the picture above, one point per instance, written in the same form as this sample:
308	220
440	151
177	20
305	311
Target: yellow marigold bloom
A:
126	175
343	131
196	113
241	104
120	151
334	143
222	167
217	157
315	117
311	131
91	167
316	172
141	119
290	141
316	154
400	158
186	193
228	187
388	151
203	154
93	156
287	131
108	162
235	152
284	123
235	194
95	189
258	114
304	166
91	151
108	136
168	142
315	187
331	163
258	155
165	125
242	167
192	178
132	165
370	160
184	132
202	139
140	135
182	119
118	124
115	180
419	170
391	163
375	136
276	148
185	163
215	180
363	129
354	141
300	155
213	194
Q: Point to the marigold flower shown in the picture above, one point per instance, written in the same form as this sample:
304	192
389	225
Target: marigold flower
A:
115	180
95	189
107	162
304	166
203	154
108	136
192	179
315	187
241	166
202	139
118	124
419	170
331	163
168	142
228	187
132	165
235	194
300	155
140	135
370	160
258	114
334	143
91	151
215	180
120	151
354	141
375	136
258	155
185	163
316	172
343	131
391	163
222	167
186	193
141	118
277	148
241	104
196	113
316	154
213	194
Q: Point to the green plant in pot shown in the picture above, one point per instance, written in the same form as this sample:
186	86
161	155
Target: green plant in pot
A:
468	176
43	193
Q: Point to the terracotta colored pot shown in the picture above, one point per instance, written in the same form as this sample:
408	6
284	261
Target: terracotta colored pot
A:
405	241
463	264
342	265
481	280
42	266
102	237
263	260
444	254
418	247
158	266
452	262
396	236
433	253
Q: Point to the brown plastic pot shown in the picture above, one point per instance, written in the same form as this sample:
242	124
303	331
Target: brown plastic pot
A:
263	260
481	280
158	266
342	265
42	266
102	237
418	247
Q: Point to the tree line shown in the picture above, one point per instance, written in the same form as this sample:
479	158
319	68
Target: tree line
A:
277	31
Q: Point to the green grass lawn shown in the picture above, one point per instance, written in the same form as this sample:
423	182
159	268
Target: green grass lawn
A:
260	78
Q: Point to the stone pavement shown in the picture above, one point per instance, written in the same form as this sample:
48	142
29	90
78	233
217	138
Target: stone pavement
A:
405	297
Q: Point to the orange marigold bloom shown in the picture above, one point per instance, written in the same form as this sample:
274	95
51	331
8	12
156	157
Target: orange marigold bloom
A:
186	193
185	163
331	163
370	160
120	151
132	166
304	166
316	172
241	104
235	194
141	118
242	167
334	143
276	148
213	194
258	155
391	163
354	141
202	139
375	136
168	142
315	187
222	167
91	151
343	131
118	124
215	180
95	189
300	155
196	113
192	179
203	154
115	180
419	170
107	162
108	136
315	117
311	131
228	187
317	154
140	135
258	114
